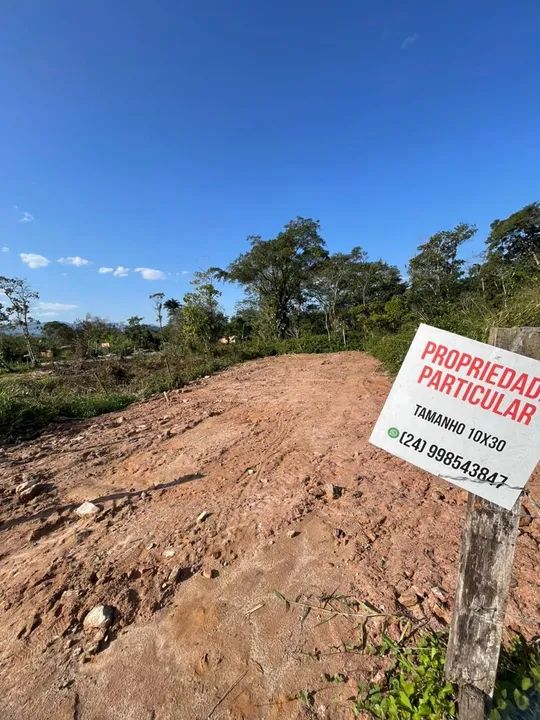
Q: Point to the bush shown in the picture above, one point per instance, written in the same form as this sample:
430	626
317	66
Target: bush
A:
391	349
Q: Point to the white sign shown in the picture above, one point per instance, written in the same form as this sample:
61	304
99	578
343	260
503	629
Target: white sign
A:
467	412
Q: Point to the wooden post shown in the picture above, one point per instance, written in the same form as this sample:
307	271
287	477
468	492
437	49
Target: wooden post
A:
487	554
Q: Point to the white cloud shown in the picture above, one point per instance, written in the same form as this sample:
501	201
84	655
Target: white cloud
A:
34	261
5	249
53	307
150	273
26	218
121	271
409	40
74	260
105	270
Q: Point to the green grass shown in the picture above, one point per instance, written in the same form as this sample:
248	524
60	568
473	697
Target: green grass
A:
24	415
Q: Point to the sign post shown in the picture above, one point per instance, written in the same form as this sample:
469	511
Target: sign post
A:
487	555
467	412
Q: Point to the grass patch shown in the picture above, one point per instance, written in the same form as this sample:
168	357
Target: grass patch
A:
23	415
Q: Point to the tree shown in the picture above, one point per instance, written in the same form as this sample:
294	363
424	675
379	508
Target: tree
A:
436	272
140	335
17	312
377	281
172	306
344	280
58	333
244	321
91	332
275	272
202	320
332	283
157	299
516	239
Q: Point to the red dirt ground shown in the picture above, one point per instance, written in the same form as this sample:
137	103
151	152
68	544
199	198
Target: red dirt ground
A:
199	631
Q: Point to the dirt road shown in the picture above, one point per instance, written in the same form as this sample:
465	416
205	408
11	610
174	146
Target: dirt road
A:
275	452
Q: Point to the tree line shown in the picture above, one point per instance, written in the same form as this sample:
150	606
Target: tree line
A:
294	287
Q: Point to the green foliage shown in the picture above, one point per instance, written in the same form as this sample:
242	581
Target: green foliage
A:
517	692
436	271
516	239
12	350
522	310
415	689
276	272
202	321
23	415
415	686
306	697
138	335
391	349
57	334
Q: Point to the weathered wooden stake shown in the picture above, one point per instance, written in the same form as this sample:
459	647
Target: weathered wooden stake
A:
487	554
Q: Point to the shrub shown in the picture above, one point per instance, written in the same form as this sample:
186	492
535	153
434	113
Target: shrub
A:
391	349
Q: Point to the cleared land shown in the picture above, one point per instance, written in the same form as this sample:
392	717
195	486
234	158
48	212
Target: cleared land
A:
199	631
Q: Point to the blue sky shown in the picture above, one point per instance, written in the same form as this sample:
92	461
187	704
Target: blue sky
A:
159	135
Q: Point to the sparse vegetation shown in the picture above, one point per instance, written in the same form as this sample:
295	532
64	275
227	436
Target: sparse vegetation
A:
415	687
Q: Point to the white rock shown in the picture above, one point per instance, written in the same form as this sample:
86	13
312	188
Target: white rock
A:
169	553
202	517
100	616
86	509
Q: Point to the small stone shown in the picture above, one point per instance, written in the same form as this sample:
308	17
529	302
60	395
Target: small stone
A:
144	495
99	617
293	533
338	533
120	420
151	545
440	612
87	508
29	489
203	516
408	599
176	574
250	471
440	594
169	553
525	518
209	573
332	491
437	494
